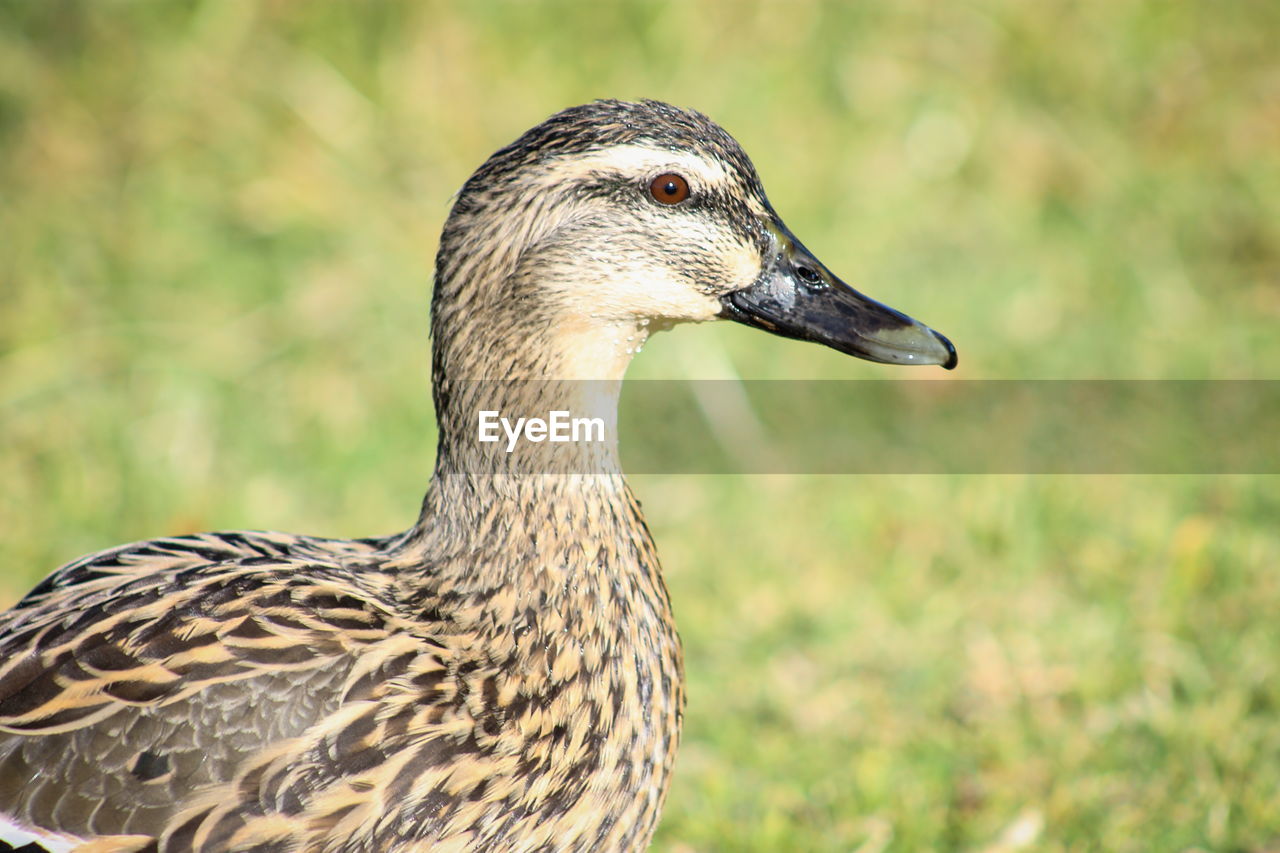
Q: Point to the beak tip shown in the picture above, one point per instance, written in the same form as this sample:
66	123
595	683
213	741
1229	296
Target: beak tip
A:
952	357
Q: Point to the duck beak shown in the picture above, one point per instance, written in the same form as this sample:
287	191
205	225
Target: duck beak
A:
797	297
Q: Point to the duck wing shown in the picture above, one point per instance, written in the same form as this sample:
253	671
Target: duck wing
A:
135	682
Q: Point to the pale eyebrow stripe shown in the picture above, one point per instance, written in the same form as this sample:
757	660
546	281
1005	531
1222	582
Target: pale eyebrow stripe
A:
642	159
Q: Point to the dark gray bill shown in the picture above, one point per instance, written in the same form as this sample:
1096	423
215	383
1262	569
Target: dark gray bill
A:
798	297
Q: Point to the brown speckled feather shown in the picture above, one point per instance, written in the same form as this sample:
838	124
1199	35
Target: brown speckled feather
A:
257	691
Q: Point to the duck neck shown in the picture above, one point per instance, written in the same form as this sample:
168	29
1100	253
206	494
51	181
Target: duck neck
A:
531	549
526	522
525	389
549	580
517	392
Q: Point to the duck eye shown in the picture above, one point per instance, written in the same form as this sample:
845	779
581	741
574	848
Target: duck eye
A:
669	188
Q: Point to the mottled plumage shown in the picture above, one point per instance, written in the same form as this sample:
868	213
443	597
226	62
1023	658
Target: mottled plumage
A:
505	675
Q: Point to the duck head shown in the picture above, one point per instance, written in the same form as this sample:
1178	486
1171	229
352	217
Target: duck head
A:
614	218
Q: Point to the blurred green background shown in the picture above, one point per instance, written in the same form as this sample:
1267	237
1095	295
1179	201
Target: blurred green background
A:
217	224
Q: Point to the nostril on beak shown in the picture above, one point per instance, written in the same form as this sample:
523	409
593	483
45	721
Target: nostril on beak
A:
809	276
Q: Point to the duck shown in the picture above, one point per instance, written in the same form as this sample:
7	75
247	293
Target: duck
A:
506	675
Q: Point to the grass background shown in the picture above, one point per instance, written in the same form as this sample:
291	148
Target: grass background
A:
217	223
